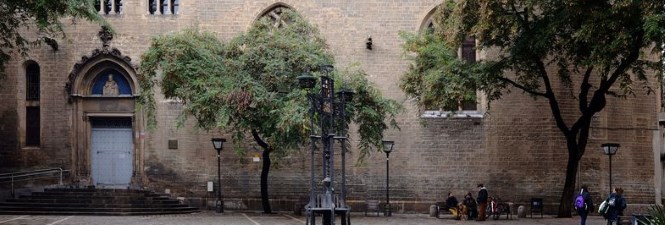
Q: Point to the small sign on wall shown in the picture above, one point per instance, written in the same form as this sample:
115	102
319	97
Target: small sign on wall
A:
210	186
173	144
256	158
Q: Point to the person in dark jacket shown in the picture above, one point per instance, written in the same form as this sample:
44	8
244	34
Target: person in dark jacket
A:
616	204
471	206
482	201
451	204
588	205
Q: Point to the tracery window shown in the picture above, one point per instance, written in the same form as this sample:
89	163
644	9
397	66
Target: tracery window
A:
275	15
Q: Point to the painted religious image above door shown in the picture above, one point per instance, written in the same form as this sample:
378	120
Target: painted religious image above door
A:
112	151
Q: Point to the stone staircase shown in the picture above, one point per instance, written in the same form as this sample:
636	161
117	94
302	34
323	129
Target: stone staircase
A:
92	201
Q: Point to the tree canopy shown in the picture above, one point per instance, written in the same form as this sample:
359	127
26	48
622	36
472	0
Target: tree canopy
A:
17	16
592	46
249	86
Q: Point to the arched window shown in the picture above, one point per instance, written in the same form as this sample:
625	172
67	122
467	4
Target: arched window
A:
32	112
467	52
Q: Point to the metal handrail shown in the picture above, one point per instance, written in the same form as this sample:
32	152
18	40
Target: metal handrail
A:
21	174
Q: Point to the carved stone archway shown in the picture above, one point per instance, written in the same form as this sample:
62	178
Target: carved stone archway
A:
89	104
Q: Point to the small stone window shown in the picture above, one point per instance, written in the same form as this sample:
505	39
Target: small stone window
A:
163	7
109	7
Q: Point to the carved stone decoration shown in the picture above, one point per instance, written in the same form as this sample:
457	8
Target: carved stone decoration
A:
97	53
106	36
110	87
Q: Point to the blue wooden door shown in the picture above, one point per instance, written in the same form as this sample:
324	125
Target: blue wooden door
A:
112	156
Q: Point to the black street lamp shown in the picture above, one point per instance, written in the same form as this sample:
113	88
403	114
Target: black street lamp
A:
218	144
610	149
387	148
331	109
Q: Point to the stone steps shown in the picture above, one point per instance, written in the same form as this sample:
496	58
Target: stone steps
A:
91	201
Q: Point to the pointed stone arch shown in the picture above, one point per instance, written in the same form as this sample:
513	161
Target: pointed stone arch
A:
88	69
428	20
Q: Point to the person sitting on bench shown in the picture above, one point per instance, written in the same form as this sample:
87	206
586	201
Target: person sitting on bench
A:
451	204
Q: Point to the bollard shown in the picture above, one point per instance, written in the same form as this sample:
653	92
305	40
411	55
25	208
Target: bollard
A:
521	212
432	211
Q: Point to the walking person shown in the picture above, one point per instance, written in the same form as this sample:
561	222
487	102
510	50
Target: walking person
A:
616	204
482	201
583	204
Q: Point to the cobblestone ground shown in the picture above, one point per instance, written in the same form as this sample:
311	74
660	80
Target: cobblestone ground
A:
252	218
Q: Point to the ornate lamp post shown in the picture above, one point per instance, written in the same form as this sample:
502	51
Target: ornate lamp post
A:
218	143
328	108
387	148
610	149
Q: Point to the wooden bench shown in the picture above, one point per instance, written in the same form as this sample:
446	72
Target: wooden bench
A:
321	207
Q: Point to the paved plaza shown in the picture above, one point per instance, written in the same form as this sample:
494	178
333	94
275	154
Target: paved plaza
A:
255	218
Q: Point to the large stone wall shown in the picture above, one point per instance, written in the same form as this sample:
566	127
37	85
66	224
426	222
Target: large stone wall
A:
515	149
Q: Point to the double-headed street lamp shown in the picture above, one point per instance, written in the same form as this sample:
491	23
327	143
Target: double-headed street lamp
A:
387	148
330	109
610	149
218	144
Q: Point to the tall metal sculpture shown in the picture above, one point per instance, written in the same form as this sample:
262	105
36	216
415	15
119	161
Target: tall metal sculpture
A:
330	109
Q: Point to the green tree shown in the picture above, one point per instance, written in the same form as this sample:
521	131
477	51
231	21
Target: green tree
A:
594	46
44	16
249	87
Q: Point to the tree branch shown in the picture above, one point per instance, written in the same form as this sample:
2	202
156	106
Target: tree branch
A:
260	141
549	94
522	87
584	90
633	55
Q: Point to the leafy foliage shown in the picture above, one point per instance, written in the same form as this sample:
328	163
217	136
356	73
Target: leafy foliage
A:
656	216
249	86
592	46
250	83
44	16
437	79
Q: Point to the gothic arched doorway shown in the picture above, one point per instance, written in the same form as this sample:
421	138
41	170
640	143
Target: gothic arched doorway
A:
106	149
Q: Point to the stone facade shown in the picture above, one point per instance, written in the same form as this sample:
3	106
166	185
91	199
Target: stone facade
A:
515	149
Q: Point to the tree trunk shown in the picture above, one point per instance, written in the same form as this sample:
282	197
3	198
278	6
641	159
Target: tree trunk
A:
265	200
265	169
571	176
